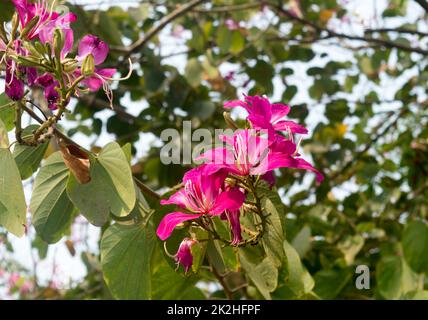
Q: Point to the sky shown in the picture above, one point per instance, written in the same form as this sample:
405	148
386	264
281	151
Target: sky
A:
68	268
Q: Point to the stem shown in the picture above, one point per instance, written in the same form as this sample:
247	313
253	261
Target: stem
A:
220	278
18	128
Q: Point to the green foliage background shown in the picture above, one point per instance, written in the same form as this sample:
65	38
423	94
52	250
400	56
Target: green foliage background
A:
362	93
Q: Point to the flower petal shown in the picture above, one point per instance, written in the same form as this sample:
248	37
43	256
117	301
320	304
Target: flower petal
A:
91	44
228	200
170	221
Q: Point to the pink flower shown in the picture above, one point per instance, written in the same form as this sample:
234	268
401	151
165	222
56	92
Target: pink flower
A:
99	49
248	153
46	34
47	17
14	86
264	115
184	254
49	84
203	193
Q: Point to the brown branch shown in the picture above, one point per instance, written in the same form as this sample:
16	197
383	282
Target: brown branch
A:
136	46
397	30
333	34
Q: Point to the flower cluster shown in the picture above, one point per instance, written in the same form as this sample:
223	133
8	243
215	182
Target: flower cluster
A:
222	185
36	52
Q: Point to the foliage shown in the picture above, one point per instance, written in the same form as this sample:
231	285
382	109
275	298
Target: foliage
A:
361	92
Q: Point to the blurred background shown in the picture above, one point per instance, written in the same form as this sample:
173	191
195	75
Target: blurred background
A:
354	72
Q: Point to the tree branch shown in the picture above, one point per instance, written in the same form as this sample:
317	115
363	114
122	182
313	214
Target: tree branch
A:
397	30
333	34
136	46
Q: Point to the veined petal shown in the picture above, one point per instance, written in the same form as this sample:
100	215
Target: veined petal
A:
170	221
283	125
91	44
218	156
178	198
236	103
228	200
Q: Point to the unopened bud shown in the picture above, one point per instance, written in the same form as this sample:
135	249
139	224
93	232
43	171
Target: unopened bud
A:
27	61
34	52
88	66
15	25
229	121
40	47
29	26
70	65
58	43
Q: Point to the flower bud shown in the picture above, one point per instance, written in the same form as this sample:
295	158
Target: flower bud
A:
58	42
70	65
34	52
40	47
15	24
184	254
29	27
88	66
28	61
229	121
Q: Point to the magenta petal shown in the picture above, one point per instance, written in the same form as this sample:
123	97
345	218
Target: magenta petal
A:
228	200
170	221
91	44
178	198
294	127
218	156
269	177
236	103
106	73
93	83
68	42
235	226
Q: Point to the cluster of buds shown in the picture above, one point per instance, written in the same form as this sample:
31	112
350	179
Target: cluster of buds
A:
226	185
36	53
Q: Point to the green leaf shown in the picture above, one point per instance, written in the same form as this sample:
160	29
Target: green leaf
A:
415	246
215	256
273	237
50	206
394	277
125	259
4	139
193	72
295	273
28	158
13	208
111	188
330	282
7	112
416	295
261	271
302	241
